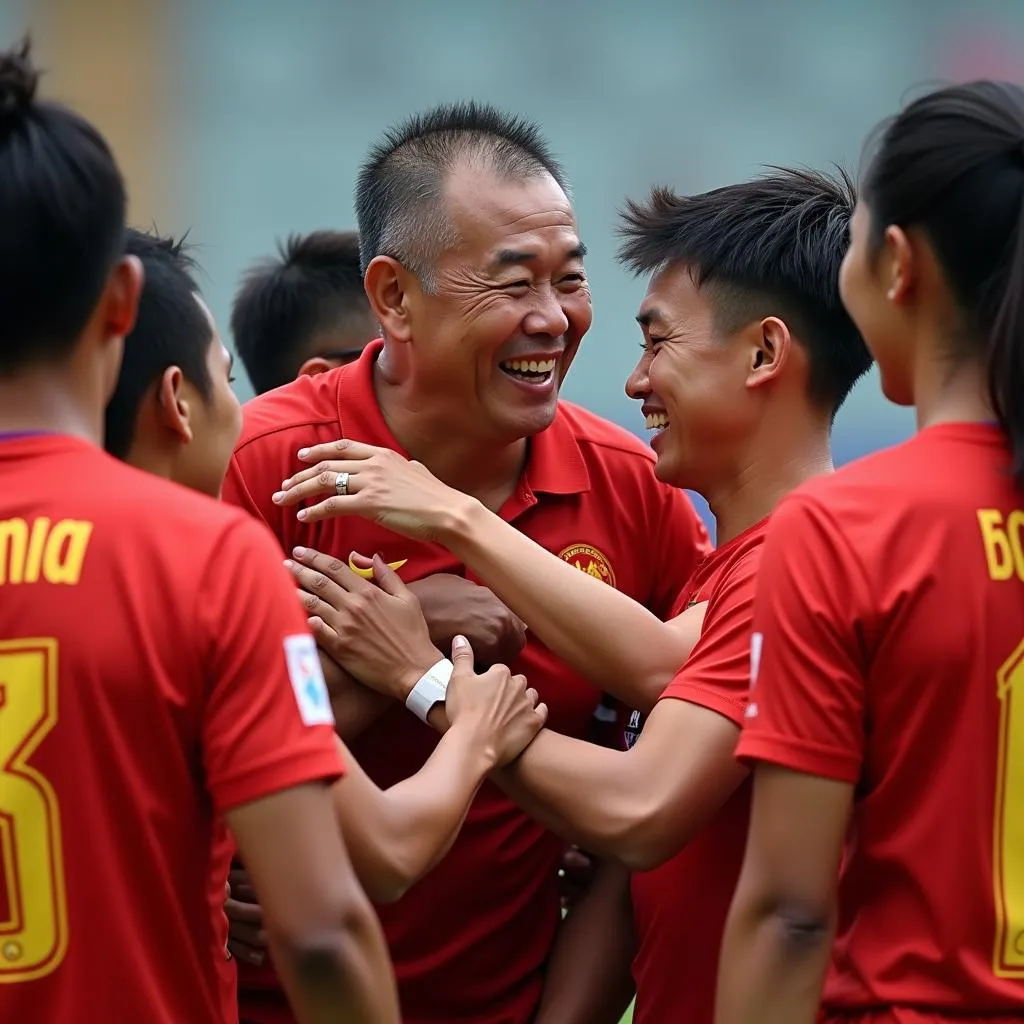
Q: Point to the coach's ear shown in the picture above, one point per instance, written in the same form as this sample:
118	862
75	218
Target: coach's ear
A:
317	364
173	404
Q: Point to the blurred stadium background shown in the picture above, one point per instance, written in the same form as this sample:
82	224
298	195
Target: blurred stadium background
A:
243	120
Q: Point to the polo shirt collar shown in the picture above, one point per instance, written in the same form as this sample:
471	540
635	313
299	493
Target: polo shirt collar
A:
555	464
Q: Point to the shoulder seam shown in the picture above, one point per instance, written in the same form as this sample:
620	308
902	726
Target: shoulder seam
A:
819	507
280	428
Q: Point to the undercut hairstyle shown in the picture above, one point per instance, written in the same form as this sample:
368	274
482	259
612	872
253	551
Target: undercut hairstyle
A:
768	247
312	290
171	329
62	214
952	164
400	203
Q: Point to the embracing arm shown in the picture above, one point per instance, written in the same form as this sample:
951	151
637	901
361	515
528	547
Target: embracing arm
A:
779	933
640	806
606	636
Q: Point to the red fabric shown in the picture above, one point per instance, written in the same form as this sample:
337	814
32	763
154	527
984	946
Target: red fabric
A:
679	909
470	941
143	689
891	620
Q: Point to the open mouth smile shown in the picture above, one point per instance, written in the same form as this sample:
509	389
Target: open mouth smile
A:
529	371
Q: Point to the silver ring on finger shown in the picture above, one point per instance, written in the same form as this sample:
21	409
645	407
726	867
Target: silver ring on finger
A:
341	484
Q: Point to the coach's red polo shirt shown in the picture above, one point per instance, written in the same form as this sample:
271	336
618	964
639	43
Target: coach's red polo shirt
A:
469	942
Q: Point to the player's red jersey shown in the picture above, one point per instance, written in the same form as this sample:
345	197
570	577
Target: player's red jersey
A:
679	909
470	941
150	646
889	654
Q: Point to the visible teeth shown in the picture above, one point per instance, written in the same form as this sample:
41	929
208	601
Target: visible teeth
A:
657	420
529	365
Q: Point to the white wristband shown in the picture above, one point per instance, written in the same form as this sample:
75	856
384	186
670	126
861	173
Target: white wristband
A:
431	689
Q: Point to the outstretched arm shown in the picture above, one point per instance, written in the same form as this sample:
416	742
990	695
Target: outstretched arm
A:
639	806
605	635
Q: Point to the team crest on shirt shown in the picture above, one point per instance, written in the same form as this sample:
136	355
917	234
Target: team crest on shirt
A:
588	559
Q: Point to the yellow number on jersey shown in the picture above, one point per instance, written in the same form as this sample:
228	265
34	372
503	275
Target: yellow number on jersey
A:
33	910
1009	832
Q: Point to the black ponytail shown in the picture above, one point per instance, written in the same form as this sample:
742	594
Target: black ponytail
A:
953	164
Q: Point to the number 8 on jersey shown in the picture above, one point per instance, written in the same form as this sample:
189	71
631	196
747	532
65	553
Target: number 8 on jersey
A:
33	913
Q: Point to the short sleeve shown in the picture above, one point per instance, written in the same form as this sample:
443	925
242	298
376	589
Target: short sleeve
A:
717	673
682	544
267	723
807	692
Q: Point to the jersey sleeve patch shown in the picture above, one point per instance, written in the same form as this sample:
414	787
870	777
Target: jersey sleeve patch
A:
307	680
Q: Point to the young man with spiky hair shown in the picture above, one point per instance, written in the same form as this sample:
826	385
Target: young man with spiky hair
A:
140	700
304	311
748	353
474	269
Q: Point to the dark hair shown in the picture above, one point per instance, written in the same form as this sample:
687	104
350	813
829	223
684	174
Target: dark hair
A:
62	210
953	164
771	246
313	286
400	191
171	329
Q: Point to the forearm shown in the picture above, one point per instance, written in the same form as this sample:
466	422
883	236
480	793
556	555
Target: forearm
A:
583	792
603	634
440	626
772	966
589	978
350	969
396	836
356	709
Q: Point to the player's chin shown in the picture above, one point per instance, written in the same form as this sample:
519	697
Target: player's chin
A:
664	468
670	467
526	419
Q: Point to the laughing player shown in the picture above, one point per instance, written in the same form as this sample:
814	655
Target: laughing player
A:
888	659
140	699
747	356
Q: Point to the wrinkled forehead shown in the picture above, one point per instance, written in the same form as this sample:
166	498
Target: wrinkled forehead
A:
492	215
